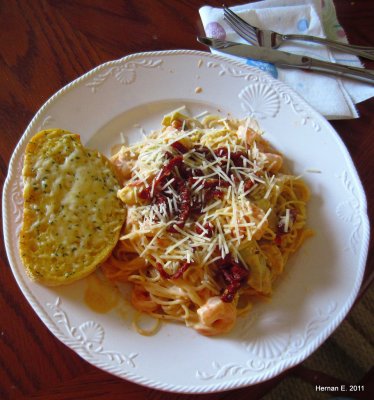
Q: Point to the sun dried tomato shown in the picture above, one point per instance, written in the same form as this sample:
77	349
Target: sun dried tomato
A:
180	271
185	172
160	198
166	171
234	275
221	152
230	291
213	188
205	151
208	229
197	173
238	273
168	155
248	184
214	194
145	194
184	206
213	183
179	146
197	207
238	158
177	124
162	272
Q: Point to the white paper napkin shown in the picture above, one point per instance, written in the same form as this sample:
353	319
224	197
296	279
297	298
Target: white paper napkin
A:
332	96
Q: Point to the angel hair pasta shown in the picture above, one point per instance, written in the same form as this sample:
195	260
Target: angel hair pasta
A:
212	218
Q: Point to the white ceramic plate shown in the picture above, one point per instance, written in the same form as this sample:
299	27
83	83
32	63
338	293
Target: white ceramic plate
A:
321	280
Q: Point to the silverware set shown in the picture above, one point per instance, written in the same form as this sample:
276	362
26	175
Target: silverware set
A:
271	39
264	42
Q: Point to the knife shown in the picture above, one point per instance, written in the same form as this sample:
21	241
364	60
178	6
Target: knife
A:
284	59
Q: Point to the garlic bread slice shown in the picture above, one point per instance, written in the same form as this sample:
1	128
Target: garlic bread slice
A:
72	217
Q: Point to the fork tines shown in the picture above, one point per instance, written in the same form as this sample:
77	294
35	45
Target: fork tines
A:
241	27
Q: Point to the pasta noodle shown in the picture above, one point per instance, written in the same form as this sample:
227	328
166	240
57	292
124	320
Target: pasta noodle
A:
212	218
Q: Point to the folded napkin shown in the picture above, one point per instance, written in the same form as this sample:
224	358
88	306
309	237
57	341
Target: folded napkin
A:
332	96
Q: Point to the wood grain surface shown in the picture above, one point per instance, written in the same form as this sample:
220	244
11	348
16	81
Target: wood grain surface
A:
45	45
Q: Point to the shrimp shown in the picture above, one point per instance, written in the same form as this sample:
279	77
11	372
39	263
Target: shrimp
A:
215	317
253	137
272	162
130	194
122	163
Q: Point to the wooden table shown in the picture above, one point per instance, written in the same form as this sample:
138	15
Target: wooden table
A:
43	46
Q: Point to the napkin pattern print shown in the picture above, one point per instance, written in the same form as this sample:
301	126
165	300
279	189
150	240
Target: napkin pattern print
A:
330	95
216	30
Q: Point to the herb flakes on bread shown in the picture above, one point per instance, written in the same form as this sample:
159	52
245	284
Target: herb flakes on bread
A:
72	217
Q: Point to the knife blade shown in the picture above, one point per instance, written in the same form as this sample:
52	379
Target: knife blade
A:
284	59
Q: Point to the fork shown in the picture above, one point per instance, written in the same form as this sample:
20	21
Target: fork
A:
271	39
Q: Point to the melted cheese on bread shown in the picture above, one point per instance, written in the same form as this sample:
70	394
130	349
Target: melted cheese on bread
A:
72	217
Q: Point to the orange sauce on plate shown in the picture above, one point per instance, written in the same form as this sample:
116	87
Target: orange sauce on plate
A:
100	296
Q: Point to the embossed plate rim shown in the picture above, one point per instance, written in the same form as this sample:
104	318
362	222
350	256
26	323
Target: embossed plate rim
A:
223	376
